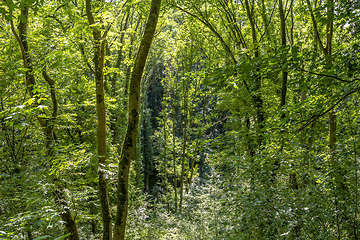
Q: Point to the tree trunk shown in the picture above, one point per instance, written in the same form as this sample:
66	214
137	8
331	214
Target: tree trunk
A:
133	122
197	141
99	52
184	146
47	125
174	144
165	180
256	92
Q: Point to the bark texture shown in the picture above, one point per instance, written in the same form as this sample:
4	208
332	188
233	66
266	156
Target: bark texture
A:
47	124
133	122
99	52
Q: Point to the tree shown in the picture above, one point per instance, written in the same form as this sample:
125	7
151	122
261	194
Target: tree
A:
242	119
47	123
133	121
99	41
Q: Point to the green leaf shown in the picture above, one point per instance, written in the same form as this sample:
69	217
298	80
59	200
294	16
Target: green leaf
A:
22	19
62	237
42	237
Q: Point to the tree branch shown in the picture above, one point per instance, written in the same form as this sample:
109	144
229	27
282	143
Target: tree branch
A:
330	76
315	117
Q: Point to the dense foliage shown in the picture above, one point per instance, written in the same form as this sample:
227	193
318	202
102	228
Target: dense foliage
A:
248	128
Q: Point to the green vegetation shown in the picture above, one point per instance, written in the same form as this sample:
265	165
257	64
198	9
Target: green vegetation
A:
181	119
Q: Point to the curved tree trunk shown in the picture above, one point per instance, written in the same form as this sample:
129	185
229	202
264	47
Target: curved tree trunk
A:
47	124
133	122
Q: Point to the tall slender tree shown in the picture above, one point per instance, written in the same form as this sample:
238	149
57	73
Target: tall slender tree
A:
133	121
46	123
99	42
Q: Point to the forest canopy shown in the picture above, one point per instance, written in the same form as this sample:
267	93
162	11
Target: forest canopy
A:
179	119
